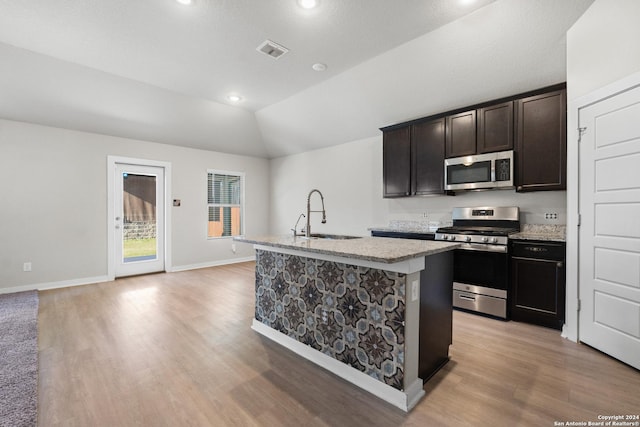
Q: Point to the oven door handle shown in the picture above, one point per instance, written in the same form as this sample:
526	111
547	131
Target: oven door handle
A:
481	247
466	297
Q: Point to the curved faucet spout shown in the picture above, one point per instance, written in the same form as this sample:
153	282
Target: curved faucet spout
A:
324	214
295	227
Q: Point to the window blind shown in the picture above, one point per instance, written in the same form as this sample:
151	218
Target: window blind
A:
224	198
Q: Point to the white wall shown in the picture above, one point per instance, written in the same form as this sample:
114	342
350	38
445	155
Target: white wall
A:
602	48
505	48
350	178
54	203
41	89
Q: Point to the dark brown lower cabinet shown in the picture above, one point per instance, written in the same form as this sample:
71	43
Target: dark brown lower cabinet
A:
538	283
436	307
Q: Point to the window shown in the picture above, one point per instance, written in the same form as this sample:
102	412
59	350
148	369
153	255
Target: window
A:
224	197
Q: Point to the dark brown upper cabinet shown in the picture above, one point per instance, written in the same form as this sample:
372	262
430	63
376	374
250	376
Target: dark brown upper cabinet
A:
533	124
396	162
541	142
427	141
495	128
461	134
413	159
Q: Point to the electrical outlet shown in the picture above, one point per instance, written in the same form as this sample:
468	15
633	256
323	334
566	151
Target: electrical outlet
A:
415	290
550	216
26	266
233	248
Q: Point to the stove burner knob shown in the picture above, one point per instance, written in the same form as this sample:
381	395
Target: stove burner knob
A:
453	237
494	240
467	239
485	239
445	237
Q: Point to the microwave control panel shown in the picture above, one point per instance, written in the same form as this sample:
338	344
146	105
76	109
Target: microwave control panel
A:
503	169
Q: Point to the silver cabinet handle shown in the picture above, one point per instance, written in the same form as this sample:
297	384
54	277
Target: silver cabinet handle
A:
465	297
535	249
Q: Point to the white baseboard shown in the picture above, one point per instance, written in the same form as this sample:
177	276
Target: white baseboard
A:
101	279
404	400
211	264
55	285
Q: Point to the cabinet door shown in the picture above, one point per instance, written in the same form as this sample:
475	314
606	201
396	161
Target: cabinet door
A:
396	158
495	128
427	140
538	291
461	134
541	142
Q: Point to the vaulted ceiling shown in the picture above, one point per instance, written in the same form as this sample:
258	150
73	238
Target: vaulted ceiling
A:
161	71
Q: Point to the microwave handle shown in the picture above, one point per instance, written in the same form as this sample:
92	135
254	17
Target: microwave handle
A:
493	171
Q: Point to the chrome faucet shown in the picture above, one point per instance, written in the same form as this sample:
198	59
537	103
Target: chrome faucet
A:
324	215
295	227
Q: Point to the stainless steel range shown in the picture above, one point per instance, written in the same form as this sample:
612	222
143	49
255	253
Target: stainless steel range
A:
481	265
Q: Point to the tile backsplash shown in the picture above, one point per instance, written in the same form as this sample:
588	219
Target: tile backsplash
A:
350	313
534	206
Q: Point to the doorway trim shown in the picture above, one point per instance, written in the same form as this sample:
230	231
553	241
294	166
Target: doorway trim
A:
111	250
571	328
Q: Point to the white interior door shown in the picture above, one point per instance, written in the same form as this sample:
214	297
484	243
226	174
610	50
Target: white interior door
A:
139	219
609	248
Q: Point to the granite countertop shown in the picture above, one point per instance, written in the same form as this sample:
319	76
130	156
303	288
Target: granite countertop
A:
418	227
402	230
377	249
546	232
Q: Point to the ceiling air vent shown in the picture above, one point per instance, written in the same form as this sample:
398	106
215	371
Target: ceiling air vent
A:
272	49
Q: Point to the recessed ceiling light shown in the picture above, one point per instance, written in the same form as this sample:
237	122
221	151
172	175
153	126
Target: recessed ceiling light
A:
308	4
319	66
185	2
234	98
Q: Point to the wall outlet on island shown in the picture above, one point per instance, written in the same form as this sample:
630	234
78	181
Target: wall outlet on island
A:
26	266
233	248
415	290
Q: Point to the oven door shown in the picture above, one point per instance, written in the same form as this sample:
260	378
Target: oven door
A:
479	268
480	282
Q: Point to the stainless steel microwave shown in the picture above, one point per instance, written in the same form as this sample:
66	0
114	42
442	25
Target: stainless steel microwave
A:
482	171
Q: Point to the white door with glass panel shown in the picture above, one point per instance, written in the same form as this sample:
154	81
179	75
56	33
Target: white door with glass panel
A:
138	219
609	248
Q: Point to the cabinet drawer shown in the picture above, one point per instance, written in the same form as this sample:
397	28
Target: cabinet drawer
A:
544	251
480	303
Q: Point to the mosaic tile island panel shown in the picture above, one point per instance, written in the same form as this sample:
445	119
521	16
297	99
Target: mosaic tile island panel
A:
351	313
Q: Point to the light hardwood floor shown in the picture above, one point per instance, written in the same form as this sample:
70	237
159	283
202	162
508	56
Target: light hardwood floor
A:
177	350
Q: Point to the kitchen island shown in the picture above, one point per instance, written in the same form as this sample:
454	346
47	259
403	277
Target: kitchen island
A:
375	311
